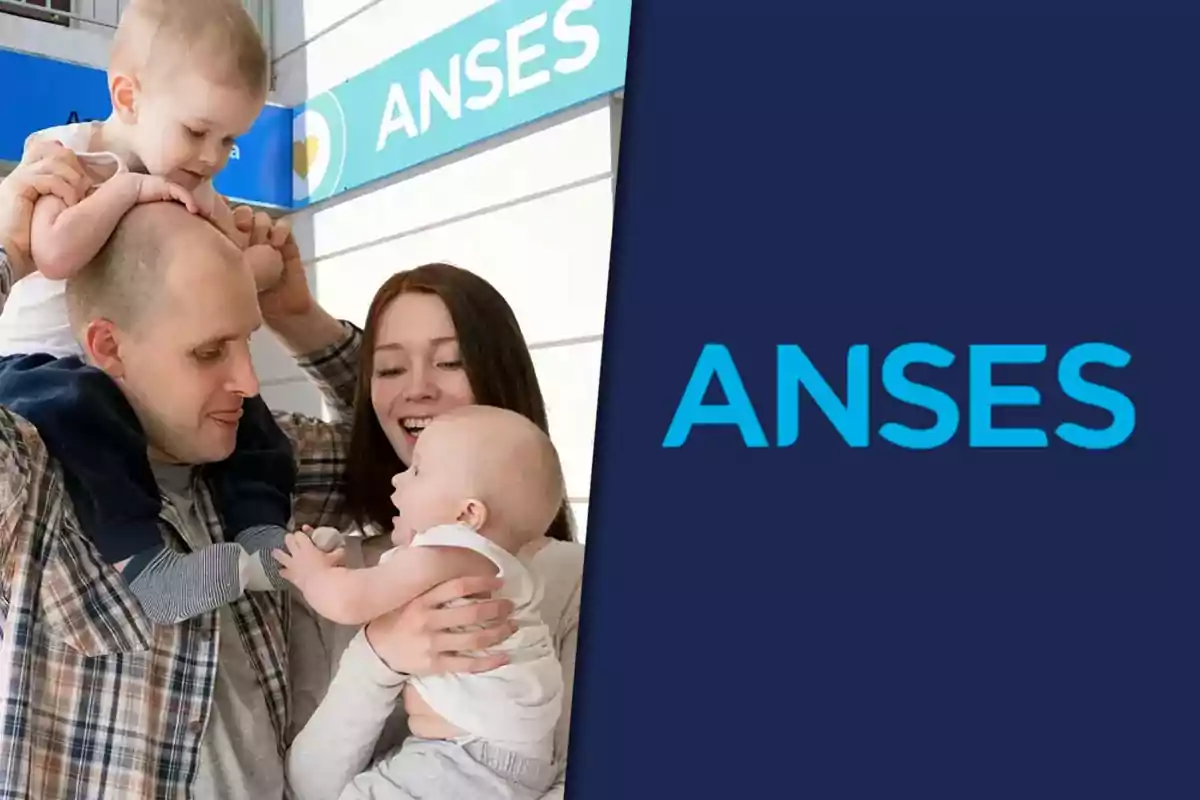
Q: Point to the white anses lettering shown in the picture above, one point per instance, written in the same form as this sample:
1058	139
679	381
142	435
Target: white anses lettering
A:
477	73
235	154
449	99
396	116
565	32
519	72
518	58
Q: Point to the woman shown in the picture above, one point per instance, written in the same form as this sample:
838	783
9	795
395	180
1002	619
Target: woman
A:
436	338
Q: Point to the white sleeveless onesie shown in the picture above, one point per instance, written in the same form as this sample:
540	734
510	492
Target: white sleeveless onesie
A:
518	705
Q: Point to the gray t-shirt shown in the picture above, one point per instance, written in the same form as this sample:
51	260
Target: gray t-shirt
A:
238	757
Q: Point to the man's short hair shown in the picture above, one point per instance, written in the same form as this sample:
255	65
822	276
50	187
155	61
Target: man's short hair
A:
217	36
127	277
124	277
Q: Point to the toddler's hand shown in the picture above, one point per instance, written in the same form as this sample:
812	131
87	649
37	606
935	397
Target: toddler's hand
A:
304	561
153	189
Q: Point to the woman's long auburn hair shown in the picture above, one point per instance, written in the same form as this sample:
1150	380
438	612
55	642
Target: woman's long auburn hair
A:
499	370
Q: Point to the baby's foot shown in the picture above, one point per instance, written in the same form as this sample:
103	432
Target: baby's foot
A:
327	539
266	264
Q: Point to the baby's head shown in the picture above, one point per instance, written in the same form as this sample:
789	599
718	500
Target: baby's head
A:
186	77
488	468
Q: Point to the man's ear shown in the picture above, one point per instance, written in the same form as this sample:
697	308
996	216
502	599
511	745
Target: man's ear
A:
102	344
474	514
123	91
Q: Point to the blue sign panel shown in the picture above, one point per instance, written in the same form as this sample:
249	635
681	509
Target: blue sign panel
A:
48	93
259	169
52	93
510	64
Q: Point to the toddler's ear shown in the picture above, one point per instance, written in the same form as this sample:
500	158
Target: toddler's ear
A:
473	514
122	90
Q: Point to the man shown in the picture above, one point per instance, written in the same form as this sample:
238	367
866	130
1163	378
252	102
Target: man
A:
95	700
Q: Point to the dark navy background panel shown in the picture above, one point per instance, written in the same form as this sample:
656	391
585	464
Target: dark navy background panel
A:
825	622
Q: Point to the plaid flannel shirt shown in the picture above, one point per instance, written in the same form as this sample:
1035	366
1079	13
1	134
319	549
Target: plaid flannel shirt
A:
95	700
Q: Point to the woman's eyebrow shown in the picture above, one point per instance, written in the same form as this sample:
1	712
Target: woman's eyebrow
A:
436	342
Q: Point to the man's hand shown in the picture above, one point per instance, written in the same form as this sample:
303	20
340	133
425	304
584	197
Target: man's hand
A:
46	168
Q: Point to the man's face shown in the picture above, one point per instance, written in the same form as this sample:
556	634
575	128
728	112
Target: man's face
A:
186	367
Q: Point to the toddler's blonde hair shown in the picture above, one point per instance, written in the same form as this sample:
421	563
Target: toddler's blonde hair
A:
217	37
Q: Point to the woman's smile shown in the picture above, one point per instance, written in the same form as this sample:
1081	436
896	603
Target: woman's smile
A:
414	425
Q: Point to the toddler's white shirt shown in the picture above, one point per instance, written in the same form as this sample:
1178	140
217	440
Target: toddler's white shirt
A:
35	316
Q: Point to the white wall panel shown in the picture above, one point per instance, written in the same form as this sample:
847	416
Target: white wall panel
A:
570	381
369	33
298	395
548	257
580	510
568	148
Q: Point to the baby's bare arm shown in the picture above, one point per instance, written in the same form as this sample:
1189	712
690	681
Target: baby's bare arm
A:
63	240
357	596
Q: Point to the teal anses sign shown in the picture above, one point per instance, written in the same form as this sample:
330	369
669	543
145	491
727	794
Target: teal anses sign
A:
512	63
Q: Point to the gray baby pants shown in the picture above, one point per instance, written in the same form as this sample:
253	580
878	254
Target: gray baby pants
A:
440	769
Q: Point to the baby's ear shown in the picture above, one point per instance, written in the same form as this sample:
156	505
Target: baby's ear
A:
474	514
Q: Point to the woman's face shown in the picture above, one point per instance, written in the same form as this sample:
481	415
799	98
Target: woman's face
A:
418	372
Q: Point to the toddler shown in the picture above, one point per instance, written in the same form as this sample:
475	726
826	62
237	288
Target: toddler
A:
483	483
186	77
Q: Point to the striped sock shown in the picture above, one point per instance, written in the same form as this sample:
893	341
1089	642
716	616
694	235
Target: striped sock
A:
263	570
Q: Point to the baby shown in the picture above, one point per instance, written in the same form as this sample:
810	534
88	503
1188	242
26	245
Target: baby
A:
483	483
186	78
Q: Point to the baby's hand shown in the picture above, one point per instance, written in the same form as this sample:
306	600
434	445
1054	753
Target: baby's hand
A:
304	561
265	264
261	239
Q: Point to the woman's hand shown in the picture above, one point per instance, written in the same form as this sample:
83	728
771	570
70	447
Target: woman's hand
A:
421	638
46	168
